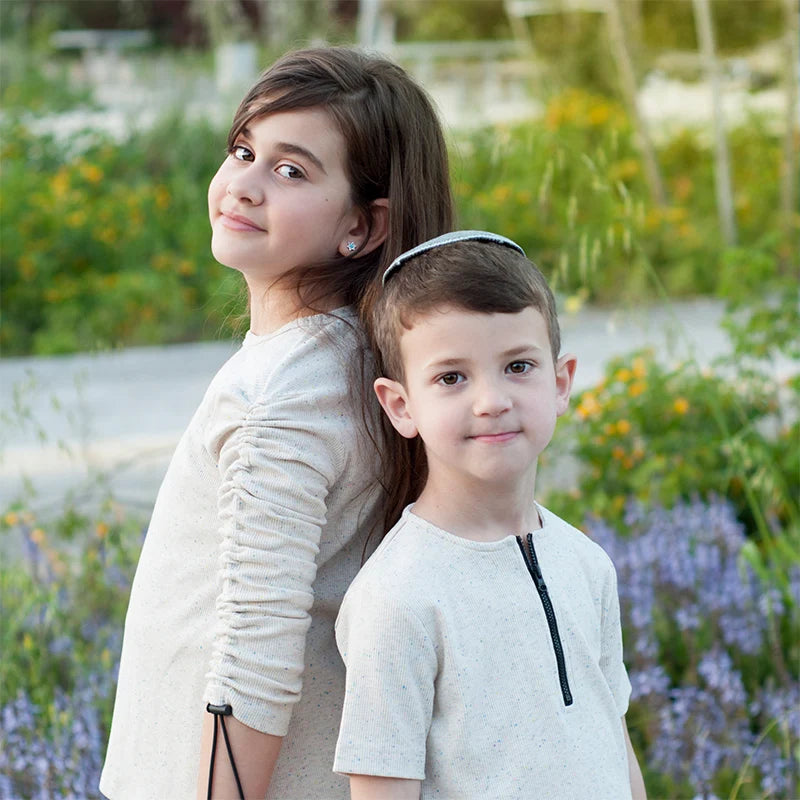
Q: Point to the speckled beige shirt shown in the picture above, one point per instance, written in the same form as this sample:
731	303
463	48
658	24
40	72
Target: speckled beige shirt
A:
452	677
256	533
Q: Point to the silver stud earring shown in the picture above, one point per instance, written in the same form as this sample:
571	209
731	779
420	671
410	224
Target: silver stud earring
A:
351	246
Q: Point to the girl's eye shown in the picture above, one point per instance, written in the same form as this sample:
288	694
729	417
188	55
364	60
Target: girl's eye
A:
450	379
290	171
242	153
519	367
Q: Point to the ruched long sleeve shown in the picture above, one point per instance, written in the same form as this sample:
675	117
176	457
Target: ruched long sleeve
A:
276	470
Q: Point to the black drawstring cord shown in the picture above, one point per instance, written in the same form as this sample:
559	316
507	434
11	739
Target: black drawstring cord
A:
220	712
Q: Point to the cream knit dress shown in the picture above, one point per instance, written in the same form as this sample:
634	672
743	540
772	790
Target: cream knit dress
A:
257	531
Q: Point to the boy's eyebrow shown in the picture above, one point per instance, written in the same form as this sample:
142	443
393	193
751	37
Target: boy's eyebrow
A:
292	149
520	350
510	353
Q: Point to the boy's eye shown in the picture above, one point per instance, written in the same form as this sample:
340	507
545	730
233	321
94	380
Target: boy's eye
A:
450	378
519	367
290	171
242	153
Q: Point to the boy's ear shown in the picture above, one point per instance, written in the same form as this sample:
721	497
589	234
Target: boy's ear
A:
392	397
367	238
565	374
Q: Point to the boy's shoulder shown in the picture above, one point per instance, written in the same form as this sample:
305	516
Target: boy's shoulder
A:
574	542
406	557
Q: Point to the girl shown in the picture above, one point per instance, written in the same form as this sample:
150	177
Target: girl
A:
336	164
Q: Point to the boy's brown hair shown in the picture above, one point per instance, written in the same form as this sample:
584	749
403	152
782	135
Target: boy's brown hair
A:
474	276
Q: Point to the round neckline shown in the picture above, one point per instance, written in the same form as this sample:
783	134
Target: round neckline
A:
474	544
346	312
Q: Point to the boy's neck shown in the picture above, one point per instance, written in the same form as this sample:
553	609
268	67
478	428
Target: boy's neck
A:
482	512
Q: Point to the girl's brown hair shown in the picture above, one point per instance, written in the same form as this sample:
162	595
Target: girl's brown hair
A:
395	150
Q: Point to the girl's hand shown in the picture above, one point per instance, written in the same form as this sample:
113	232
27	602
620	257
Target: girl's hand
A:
255	753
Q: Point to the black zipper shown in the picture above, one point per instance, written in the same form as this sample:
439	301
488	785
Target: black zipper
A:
532	563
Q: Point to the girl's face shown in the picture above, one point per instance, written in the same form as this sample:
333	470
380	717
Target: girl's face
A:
281	199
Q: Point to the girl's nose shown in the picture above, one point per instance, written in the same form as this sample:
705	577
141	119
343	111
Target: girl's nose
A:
491	400
246	188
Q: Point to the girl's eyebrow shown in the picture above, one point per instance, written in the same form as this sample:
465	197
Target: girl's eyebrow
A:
292	149
299	150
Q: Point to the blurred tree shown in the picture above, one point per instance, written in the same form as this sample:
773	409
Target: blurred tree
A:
791	139
722	162
441	20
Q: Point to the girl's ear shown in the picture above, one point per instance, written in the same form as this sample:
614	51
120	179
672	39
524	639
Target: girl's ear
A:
565	373
393	400
364	238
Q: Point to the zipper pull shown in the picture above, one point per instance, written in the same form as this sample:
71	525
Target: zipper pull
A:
537	573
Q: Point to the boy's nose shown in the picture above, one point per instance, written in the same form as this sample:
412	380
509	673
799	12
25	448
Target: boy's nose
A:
491	400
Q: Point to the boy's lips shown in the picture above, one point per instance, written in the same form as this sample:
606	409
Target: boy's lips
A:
494	438
237	222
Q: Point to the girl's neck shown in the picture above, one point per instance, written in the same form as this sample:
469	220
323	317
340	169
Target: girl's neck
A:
274	307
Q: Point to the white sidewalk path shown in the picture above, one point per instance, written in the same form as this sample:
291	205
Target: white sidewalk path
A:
71	421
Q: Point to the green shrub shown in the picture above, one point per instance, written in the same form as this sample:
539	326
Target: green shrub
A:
109	245
570	188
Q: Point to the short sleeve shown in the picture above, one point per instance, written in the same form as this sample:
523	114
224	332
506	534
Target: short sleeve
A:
611	662
276	467
391	665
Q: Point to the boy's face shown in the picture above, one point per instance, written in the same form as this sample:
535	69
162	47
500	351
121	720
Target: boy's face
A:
481	390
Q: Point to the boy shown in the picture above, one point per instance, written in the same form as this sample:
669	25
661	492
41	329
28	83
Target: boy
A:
482	639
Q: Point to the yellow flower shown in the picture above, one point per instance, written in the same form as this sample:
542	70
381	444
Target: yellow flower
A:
624	170
573	303
91	172
599	114
588	406
501	193
680	406
59	183
76	219
639	367
11	518
635	389
618	453
37	535
101	529
162	197
622	375
27	642
623	427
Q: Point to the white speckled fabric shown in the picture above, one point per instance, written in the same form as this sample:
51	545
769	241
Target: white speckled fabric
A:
256	533
451	672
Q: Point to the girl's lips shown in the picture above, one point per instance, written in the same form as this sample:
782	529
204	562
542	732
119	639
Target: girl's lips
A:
492	438
236	223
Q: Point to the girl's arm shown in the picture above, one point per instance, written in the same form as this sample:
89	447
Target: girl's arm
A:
255	753
637	782
373	787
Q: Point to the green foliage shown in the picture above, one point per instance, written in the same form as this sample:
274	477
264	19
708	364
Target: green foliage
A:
107	244
63	606
662	435
570	188
446	20
668	24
